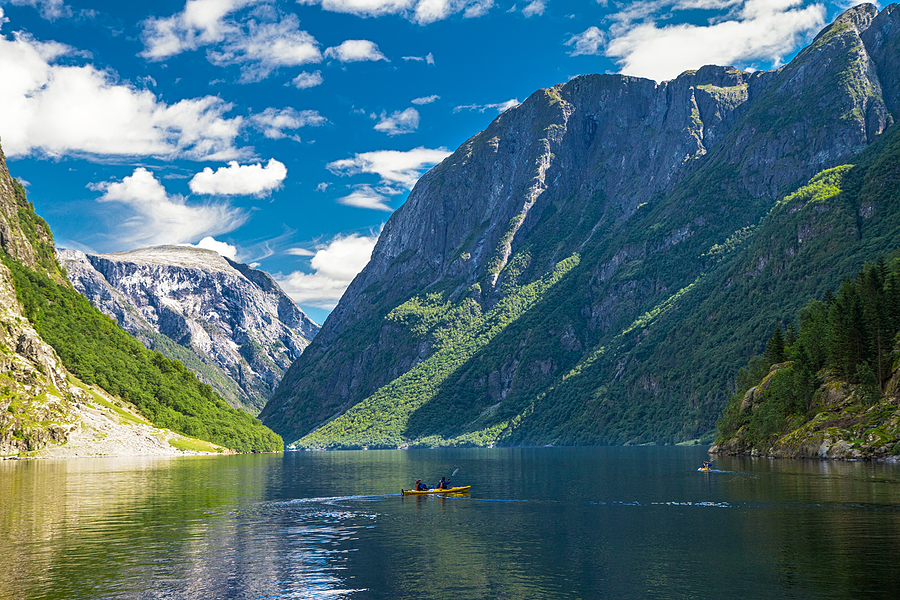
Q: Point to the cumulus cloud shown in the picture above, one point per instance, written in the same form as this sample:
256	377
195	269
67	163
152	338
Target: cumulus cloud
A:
273	122
63	108
49	9
211	243
355	51
202	22
752	30
262	47
239	180
499	107
426	99
393	166
307	80
366	197
398	122
158	218
535	8
334	266
590	41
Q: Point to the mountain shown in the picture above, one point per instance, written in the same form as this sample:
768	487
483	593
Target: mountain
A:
551	281
227	322
70	378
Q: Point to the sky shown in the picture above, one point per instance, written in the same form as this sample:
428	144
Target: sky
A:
283	133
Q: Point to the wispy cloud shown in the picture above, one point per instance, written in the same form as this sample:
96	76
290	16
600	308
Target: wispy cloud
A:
63	109
239	180
274	122
202	22
160	218
261	47
398	122
49	9
334	265
748	31
417	11
366	197
427	59
535	8
588	42
393	166
426	99
499	107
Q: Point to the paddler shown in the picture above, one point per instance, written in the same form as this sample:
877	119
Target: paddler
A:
443	484
421	487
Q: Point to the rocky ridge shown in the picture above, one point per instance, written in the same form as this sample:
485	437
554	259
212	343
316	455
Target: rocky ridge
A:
229	323
643	186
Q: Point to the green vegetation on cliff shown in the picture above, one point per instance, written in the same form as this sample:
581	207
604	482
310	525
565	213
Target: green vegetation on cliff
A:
94	348
833	372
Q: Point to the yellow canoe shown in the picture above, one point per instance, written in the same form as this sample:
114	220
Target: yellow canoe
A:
453	490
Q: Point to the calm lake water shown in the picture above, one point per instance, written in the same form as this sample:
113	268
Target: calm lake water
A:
539	523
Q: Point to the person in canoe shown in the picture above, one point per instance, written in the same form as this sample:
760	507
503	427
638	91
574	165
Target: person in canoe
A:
707	465
421	487
443	484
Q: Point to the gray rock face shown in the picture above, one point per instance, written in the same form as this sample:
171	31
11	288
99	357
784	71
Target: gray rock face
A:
191	303
640	179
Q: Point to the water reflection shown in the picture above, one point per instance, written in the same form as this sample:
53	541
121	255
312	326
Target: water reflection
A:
540	523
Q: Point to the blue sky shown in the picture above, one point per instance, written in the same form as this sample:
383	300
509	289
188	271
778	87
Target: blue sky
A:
284	133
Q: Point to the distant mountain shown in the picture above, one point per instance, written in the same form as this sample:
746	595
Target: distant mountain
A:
69	373
593	267
227	322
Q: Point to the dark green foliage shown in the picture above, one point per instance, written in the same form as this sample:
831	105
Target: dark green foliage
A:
775	347
847	338
93	347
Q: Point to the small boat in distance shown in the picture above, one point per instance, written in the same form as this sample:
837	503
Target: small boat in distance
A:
453	490
707	466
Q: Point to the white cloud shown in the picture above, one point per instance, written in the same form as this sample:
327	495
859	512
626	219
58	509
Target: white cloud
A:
334	267
399	122
323	186
61	108
417	11
355	51
429	58
211	243
393	166
588	42
308	80
299	252
499	107
261	47
273	122
49	9
754	30
158	218
537	7
202	22
239	180
426	99
366	197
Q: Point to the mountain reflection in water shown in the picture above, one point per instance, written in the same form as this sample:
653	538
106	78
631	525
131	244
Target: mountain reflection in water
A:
539	523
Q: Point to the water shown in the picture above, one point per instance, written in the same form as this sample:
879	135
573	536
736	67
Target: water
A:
539	523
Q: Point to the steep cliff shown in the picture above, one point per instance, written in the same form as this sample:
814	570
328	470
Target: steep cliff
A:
519	293
229	323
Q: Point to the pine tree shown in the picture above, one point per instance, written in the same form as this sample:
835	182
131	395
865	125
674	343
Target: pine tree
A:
774	353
